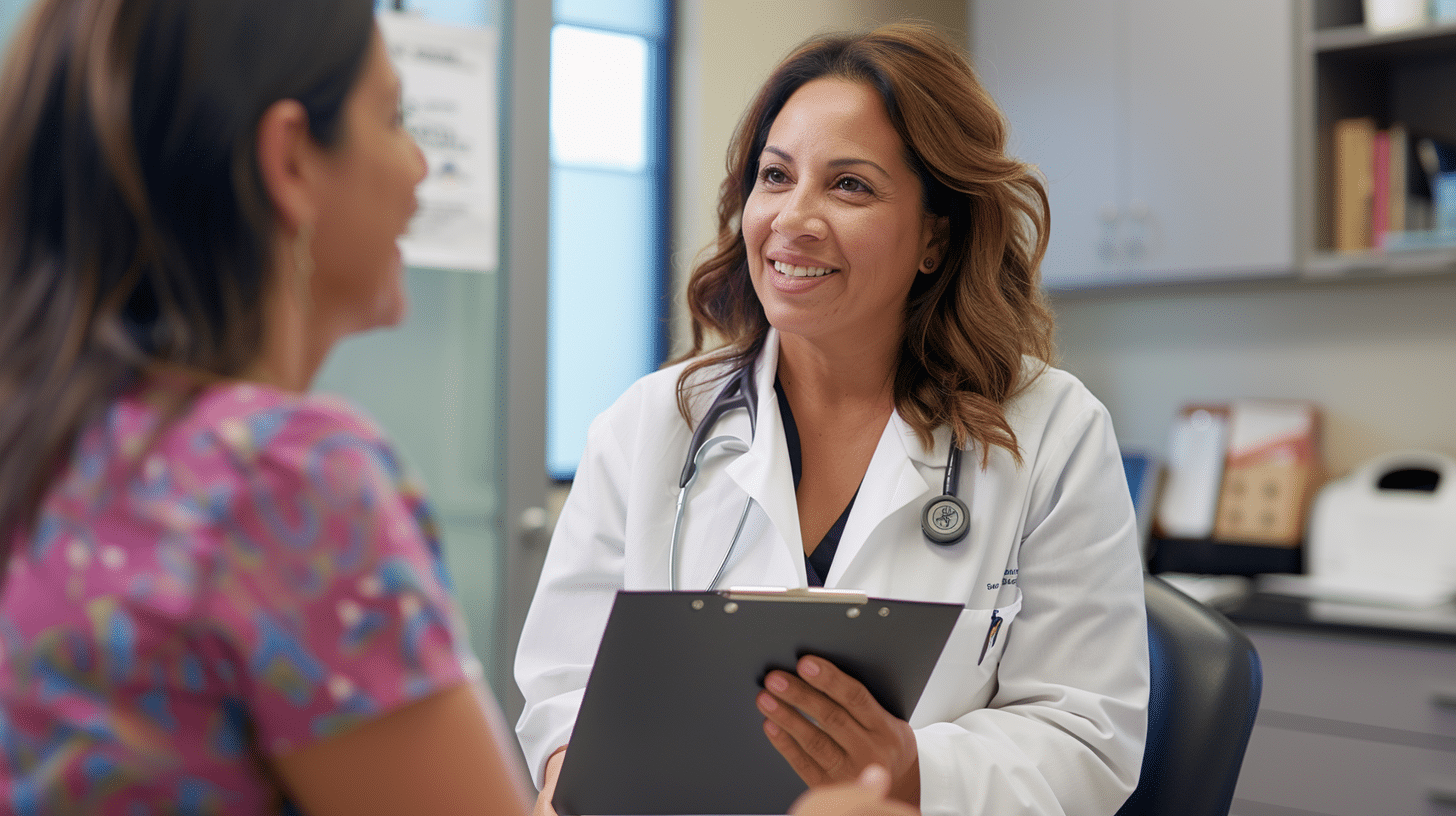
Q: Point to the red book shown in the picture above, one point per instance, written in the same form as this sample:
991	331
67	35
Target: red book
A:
1381	204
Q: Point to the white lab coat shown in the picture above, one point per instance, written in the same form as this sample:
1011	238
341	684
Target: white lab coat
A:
1051	721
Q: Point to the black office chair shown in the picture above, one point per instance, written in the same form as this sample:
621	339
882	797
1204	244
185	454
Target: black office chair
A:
1206	680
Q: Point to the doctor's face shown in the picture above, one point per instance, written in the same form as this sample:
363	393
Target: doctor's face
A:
834	226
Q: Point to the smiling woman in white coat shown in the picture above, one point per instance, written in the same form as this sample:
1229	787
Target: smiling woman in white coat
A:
871	316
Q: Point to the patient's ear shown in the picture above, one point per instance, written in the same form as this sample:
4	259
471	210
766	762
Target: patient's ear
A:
287	159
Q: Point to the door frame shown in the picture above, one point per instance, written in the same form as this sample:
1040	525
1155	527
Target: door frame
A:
525	248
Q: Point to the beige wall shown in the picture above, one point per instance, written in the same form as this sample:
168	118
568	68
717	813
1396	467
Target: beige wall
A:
1380	357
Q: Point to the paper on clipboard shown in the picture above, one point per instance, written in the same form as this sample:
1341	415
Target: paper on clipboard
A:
668	723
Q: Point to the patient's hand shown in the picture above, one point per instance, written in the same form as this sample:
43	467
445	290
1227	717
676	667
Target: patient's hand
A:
866	797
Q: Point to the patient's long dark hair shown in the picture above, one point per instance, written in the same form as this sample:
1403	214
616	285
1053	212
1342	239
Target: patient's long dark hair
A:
135	230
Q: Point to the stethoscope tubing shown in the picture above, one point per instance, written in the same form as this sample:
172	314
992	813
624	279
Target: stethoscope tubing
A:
682	500
742	392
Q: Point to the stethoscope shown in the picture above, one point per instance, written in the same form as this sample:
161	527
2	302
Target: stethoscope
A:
944	520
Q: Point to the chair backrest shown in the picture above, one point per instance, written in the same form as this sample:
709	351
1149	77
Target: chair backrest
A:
1206	680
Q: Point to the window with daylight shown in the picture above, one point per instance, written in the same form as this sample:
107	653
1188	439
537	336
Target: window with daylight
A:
609	226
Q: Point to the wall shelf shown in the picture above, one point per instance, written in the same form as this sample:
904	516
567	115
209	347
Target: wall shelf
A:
1356	41
1350	73
1335	265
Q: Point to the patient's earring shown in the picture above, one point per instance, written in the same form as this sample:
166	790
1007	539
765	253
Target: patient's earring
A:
303	265
928	264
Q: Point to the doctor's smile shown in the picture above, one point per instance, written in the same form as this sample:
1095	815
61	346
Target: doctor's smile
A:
794	275
802	271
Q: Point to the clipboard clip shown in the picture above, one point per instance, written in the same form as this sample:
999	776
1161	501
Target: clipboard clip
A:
800	594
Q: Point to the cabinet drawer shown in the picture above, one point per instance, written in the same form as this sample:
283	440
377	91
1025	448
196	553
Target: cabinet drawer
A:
1405	686
1344	777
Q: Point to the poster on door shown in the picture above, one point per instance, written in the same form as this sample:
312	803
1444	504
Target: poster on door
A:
450	107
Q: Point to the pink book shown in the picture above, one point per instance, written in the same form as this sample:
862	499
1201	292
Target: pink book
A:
1381	205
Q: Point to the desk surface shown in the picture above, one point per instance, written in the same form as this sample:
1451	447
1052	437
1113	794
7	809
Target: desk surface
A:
1437	625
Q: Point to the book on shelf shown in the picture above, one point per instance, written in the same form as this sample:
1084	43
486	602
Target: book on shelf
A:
1397	176
1380	192
1354	183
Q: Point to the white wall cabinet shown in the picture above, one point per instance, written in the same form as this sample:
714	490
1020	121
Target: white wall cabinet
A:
1165	131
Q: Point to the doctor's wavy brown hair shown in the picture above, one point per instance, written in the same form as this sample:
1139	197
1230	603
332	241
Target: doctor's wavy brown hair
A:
970	324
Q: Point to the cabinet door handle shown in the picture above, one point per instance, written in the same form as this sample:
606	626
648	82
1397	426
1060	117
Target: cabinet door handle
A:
1444	698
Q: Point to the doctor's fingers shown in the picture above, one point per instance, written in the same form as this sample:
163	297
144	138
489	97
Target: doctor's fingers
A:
815	757
788	700
840	708
839	693
548	788
543	805
843	689
821	741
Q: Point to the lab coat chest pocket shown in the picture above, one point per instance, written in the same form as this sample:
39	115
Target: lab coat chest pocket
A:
965	676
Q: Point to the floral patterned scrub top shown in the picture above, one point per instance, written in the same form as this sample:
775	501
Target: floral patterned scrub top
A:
257	578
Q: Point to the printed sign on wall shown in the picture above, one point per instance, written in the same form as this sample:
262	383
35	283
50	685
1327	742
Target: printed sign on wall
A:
450	77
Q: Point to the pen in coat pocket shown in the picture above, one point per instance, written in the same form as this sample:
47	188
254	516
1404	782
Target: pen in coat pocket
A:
991	632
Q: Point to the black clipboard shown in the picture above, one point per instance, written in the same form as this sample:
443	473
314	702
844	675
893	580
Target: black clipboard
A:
668	723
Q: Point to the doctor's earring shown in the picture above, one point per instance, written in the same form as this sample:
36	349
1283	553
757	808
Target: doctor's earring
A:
928	265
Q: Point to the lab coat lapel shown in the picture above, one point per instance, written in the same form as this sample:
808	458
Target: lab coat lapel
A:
765	473
897	476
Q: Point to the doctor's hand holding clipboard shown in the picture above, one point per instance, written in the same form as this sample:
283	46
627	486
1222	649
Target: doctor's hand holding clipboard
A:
869	315
819	761
828	727
691	693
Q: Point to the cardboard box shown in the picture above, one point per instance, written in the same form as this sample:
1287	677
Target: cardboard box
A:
1271	472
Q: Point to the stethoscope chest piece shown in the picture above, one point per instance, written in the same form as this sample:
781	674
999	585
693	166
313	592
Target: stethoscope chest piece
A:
945	519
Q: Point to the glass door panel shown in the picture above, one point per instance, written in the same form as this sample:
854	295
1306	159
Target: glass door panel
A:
460	384
433	383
